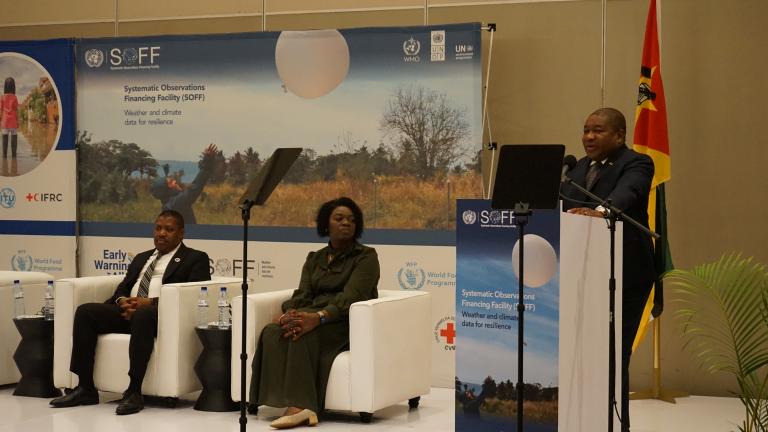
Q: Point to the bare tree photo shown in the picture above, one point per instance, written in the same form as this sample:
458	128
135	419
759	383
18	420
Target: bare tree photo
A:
427	132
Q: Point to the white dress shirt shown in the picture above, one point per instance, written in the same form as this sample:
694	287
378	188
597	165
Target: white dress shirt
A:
157	274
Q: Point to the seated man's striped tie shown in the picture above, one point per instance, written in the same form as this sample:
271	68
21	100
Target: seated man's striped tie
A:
144	285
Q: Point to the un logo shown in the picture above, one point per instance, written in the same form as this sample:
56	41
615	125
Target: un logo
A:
469	217
411	278
94	57
21	262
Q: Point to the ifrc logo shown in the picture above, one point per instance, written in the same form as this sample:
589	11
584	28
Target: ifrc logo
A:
44	197
449	333
445	333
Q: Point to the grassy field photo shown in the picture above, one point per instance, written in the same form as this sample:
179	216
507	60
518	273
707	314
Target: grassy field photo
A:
387	202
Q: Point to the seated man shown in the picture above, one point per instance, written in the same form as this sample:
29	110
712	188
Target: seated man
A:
133	309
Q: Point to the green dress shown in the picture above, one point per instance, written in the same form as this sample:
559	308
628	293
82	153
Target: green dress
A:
295	373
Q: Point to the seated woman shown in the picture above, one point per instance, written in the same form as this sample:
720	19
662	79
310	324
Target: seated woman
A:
295	352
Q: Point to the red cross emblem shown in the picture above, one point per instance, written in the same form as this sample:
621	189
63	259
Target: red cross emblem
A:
449	333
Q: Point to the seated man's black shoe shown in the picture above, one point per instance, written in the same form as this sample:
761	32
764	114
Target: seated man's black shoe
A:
131	403
78	396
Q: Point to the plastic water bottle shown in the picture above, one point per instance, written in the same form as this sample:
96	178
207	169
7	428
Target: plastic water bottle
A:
225	317
49	308
202	308
18	300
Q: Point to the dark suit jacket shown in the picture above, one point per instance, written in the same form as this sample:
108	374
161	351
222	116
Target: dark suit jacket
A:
187	265
625	179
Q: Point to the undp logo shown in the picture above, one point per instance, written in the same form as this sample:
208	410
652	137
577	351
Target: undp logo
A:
94	57
21	261
7	198
411	277
469	217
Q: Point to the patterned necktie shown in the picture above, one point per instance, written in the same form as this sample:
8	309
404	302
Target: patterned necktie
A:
592	174
144	285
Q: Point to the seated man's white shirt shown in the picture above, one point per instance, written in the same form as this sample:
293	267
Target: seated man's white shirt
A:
157	274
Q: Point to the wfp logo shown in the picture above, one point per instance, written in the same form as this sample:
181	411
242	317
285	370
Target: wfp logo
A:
469	217
94	57
21	261
7	198
411	277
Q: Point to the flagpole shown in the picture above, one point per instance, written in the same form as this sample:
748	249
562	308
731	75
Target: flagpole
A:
656	391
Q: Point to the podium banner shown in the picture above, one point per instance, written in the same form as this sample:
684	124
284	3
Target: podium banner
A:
486	318
37	165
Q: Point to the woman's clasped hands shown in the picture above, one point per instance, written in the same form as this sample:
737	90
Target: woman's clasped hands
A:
295	323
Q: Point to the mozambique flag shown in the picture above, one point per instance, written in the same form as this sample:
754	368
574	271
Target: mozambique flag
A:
651	138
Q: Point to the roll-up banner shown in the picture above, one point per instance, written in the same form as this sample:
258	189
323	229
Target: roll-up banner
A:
487	319
37	169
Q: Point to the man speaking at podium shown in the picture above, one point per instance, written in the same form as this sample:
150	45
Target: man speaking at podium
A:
613	171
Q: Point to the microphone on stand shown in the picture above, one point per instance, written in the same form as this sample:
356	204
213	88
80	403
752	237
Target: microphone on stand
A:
568	163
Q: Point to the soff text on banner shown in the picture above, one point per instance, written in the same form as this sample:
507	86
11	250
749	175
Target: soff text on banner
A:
37	169
486	318
387	116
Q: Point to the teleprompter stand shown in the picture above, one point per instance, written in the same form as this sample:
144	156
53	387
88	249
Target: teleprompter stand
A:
527	178
257	193
612	216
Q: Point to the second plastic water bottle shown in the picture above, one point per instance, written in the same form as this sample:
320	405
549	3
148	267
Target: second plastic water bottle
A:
18	300
225	316
49	308
202	308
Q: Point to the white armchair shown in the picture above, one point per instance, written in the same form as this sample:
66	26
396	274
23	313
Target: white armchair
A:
33	284
389	360
170	372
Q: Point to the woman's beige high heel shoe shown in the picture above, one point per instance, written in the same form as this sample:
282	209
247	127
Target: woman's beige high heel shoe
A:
305	416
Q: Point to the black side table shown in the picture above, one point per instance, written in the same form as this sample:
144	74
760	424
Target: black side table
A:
213	368
34	358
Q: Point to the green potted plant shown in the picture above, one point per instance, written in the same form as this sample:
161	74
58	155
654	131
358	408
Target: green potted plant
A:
724	317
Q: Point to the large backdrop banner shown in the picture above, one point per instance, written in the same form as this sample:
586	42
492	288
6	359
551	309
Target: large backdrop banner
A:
388	116
37	169
486	318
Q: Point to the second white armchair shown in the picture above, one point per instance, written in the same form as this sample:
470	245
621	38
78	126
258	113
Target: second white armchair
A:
389	360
